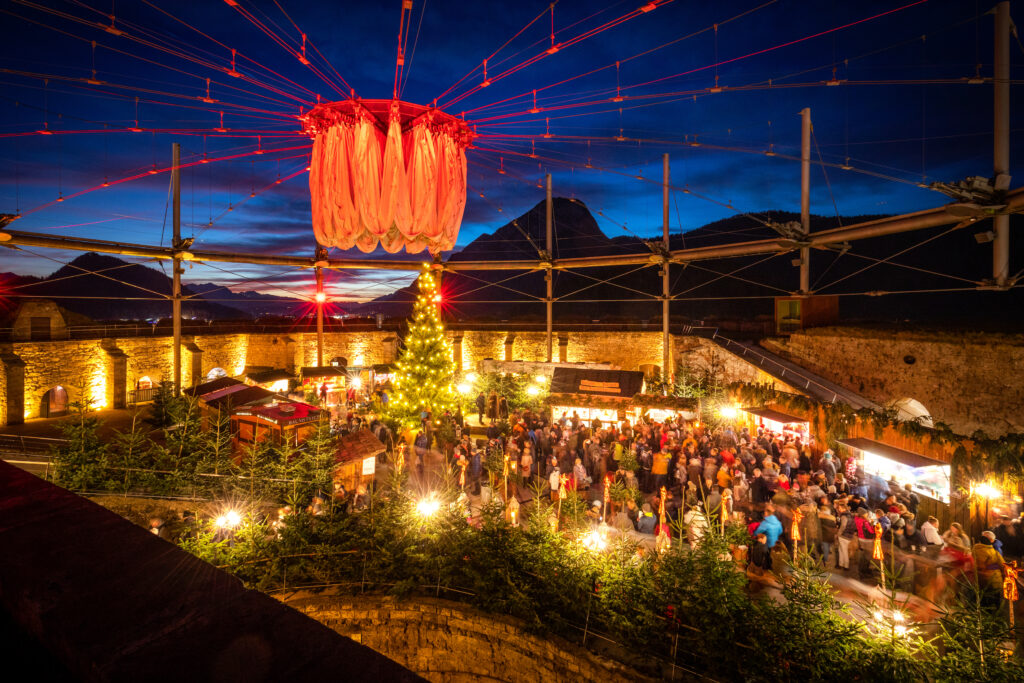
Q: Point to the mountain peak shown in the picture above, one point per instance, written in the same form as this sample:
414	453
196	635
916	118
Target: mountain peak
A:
575	234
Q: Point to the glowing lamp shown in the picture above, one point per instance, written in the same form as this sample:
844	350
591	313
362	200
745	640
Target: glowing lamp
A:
540	379
464	388
356	382
321	297
427	507
728	412
472	377
533	391
229	520
437	298
594	541
985	491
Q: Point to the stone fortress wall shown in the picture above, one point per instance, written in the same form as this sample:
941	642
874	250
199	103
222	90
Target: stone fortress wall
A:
448	642
970	382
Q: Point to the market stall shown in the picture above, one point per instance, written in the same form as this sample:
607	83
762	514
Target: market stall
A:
356	458
790	427
273	379
928	478
591	394
283	424
328	379
654	408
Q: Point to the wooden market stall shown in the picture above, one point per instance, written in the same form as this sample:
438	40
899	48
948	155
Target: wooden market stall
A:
287	423
330	377
272	379
592	394
780	423
356	459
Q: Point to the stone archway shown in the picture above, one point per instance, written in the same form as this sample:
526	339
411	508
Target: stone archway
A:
54	402
910	409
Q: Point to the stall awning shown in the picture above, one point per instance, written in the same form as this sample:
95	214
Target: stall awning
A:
324	371
774	415
604	383
211	386
267	376
285	414
243	397
900	455
358	445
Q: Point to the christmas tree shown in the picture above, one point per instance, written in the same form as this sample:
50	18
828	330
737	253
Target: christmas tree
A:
424	371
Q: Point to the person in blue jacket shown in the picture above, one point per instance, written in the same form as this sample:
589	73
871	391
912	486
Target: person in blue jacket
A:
771	527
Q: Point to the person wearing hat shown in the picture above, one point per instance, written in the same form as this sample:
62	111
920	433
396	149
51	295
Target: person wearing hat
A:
646	523
989	563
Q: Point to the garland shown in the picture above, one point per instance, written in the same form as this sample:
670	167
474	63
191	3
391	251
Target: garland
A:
1002	456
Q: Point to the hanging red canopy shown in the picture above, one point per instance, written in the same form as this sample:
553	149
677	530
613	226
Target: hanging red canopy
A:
387	171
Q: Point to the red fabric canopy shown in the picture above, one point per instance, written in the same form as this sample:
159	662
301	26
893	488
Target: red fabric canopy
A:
387	172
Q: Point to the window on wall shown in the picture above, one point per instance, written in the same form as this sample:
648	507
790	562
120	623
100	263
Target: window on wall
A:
144	382
216	373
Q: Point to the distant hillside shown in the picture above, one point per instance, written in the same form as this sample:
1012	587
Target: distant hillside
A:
104	287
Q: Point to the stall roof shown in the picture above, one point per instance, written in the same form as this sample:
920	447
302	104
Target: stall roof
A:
358	445
265	376
908	458
290	413
323	371
606	383
242	397
211	386
775	415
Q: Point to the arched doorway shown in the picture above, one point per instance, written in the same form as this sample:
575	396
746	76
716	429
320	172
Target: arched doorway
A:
54	403
339	362
912	410
216	373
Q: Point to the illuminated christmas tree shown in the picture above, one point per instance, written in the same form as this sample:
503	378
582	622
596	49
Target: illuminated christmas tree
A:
424	371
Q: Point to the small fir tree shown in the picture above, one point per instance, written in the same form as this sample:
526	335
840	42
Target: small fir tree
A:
424	372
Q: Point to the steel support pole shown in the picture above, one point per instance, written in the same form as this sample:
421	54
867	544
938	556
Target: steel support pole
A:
805	197
319	316
666	351
176	270
548	300
1001	140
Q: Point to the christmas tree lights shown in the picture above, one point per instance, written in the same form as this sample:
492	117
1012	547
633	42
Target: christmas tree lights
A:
424	372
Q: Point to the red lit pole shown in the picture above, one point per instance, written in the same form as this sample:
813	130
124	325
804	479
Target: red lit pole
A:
320	299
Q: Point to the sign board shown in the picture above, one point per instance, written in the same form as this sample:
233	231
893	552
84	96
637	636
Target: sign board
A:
369	465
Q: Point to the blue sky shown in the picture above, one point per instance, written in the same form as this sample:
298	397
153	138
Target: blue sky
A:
894	112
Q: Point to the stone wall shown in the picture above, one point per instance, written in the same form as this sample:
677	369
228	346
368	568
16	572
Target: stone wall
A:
448	642
967	381
702	356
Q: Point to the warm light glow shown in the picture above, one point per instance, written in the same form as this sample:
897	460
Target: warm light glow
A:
985	490
464	388
533	391
356	382
472	377
728	412
229	520
321	297
593	540
540	379
427	507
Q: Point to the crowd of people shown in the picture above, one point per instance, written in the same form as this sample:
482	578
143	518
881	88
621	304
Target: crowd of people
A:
766	480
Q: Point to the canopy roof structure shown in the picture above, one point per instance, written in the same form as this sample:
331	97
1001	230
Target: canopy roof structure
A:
909	458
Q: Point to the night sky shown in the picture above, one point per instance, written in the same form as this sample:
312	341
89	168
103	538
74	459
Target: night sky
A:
902	109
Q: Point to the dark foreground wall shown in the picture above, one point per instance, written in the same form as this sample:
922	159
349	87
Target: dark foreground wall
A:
114	603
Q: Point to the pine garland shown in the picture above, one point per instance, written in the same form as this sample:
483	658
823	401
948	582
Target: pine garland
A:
1002	456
